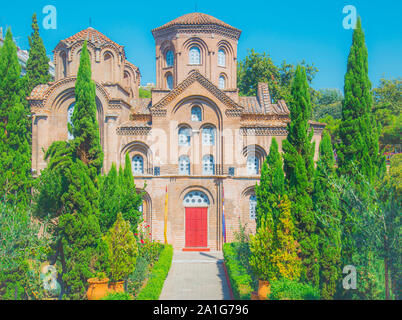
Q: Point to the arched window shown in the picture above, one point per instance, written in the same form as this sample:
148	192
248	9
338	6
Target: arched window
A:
196	114
138	165
195	55
108	66
169	58
169	81
222	82
252	165
208	165
126	79
208	136
63	64
70	112
221	58
184	136
252	206
184	165
195	199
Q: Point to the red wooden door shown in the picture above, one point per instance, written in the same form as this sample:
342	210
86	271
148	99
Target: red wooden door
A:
196	227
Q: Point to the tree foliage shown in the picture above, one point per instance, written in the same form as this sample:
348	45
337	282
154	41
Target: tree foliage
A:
285	255
271	186
122	249
85	129
326	207
38	63
261	248
259	67
387	109
358	130
299	170
15	151
73	196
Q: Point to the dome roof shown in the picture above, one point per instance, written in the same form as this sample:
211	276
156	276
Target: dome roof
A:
195	18
91	35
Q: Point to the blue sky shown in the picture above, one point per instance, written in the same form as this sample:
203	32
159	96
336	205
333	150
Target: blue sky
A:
288	30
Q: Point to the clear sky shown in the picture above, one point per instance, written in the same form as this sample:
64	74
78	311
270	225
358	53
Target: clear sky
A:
287	29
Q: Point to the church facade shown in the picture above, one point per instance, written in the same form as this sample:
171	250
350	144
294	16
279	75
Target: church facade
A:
195	138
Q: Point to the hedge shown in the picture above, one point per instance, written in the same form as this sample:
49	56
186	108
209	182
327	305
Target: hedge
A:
285	289
240	280
158	275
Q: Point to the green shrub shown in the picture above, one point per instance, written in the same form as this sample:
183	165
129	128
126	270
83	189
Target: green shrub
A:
158	275
118	296
241	281
122	249
285	289
21	253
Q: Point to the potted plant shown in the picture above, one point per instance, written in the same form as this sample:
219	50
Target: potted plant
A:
122	253
98	286
261	247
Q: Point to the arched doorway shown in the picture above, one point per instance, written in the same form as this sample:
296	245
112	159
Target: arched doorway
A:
196	205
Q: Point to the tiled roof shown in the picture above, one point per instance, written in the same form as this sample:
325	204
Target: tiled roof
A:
195	18
38	92
91	35
252	106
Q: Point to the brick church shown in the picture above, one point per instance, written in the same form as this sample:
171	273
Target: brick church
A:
195	136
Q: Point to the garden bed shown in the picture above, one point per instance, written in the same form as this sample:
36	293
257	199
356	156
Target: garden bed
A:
241	281
158	274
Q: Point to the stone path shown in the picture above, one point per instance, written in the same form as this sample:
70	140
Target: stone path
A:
196	276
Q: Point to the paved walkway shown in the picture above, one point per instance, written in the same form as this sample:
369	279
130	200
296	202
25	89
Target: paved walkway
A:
196	276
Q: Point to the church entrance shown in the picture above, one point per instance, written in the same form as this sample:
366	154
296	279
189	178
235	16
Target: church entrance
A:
197	227
196	205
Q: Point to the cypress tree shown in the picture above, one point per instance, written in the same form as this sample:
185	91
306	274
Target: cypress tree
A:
358	130
85	127
109	199
79	247
15	155
130	200
299	170
272	184
326	206
38	63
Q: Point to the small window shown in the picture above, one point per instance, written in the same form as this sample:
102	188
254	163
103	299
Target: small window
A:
222	83
208	136
169	58
70	112
252	206
221	58
138	165
184	165
184	136
195	55
208	165
169	82
252	165
196	114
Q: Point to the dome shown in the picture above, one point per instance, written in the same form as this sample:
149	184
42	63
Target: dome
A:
194	19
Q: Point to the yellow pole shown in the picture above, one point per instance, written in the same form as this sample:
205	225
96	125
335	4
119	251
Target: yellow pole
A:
166	215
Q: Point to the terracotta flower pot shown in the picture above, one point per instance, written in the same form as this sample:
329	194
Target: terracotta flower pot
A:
254	296
117	286
97	288
264	288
